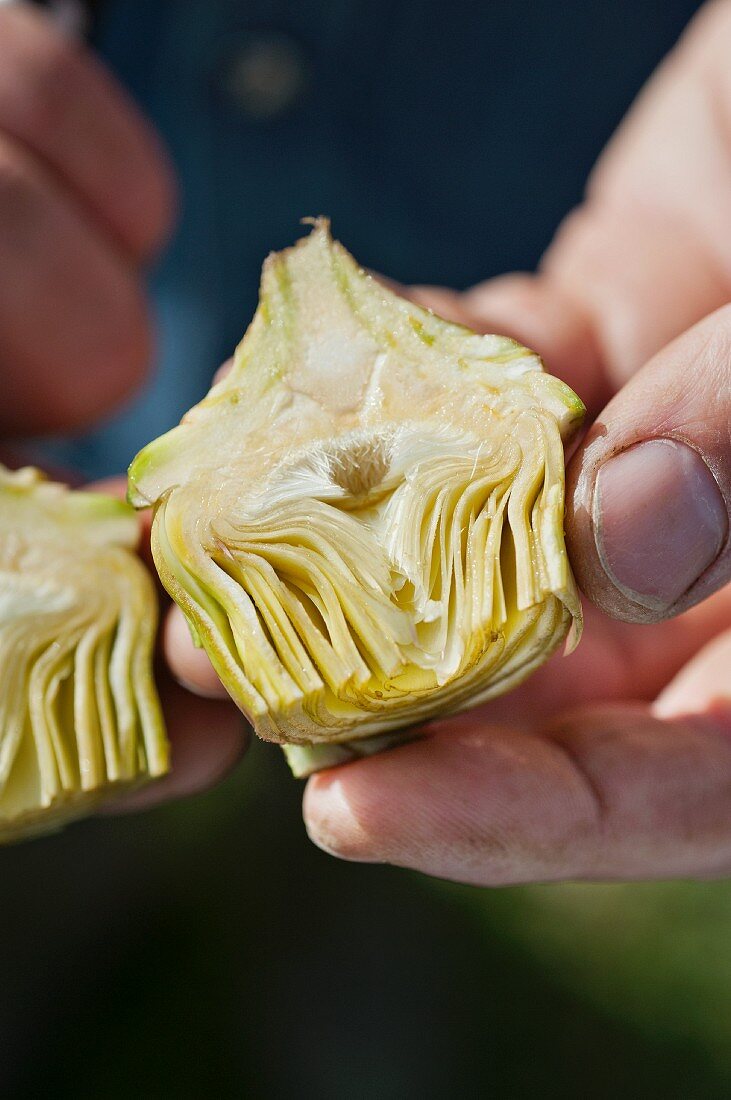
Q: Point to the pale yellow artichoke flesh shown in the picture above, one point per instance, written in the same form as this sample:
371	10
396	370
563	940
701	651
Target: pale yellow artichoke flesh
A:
363	521
79	714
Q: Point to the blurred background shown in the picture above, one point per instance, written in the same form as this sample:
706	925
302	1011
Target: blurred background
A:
206	949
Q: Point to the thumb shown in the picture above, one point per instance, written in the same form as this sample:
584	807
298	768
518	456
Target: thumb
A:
649	490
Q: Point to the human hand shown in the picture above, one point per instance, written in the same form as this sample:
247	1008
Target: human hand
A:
86	199
615	762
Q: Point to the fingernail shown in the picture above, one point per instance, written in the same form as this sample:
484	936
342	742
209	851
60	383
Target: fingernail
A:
660	521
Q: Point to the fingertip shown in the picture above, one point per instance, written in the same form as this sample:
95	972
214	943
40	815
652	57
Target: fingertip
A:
381	809
207	740
390	808
150	211
649	489
659	521
189	665
702	686
329	820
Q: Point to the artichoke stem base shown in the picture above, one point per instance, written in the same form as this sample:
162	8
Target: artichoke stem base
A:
305	760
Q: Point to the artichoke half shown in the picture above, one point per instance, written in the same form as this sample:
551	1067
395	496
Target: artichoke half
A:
79	713
363	521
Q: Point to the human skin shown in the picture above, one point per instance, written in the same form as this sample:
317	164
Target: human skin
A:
615	762
87	198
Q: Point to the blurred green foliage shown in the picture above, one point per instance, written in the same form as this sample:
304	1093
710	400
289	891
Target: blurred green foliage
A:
654	955
207	949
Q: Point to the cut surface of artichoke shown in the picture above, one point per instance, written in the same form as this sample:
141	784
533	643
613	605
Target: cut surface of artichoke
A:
79	713
363	521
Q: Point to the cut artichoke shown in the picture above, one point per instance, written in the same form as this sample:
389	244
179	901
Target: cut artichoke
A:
363	521
79	714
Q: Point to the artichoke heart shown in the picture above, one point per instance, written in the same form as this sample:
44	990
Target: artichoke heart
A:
79	713
363	521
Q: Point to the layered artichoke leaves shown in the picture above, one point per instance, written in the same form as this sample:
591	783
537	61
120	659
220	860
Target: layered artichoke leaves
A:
363	520
79	713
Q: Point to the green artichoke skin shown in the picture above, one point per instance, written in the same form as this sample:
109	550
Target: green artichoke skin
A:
363	521
80	719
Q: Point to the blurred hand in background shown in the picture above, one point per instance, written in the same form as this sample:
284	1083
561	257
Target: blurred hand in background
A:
629	305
